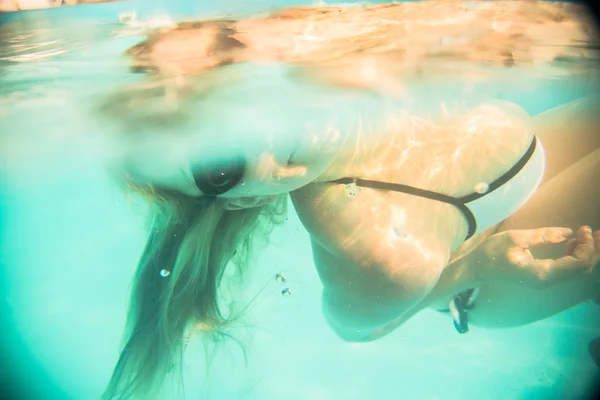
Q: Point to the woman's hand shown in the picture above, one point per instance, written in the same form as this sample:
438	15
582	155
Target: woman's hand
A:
268	169
506	256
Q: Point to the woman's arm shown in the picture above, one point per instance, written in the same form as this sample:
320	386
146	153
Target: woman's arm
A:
505	257
461	274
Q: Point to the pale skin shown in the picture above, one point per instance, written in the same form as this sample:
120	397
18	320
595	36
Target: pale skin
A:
547	287
374	278
517	288
569	197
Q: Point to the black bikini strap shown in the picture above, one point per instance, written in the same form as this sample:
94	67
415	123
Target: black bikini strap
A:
458	202
511	173
396	187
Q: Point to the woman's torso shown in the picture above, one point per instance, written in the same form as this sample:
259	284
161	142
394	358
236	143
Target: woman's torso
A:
452	157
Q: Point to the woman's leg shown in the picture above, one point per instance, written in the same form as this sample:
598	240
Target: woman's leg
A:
571	198
568	133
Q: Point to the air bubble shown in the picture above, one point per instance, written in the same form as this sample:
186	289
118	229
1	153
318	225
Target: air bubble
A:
164	273
482	187
287	292
400	232
280	278
351	190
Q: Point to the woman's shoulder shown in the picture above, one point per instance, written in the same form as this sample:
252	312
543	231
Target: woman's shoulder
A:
451	154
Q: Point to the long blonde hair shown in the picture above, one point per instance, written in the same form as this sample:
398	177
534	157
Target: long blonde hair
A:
176	284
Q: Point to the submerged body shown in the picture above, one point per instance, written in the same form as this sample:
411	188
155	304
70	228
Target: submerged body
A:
315	101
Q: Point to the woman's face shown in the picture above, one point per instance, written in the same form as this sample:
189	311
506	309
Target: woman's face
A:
245	129
257	135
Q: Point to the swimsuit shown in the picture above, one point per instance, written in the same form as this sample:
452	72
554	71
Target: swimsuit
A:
488	206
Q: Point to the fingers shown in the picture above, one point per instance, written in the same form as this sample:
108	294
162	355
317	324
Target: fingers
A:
596	256
584	234
545	273
584	249
267	167
290	172
533	237
571	244
582	253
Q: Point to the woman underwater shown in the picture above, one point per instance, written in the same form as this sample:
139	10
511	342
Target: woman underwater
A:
411	200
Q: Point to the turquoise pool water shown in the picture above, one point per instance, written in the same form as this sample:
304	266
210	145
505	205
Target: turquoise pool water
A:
70	242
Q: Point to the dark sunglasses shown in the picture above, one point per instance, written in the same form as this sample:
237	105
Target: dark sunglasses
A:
215	179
